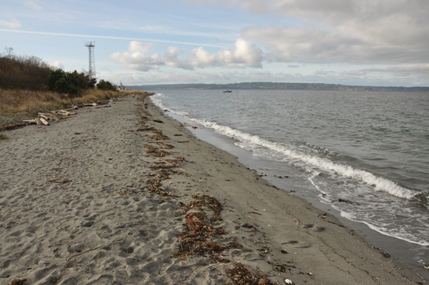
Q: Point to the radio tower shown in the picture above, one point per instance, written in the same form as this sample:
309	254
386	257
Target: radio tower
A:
91	72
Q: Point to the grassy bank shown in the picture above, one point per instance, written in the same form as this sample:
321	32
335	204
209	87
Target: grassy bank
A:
18	105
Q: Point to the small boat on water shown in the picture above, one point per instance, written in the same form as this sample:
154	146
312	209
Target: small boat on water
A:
227	91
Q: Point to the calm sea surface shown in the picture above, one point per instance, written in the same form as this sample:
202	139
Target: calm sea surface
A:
363	155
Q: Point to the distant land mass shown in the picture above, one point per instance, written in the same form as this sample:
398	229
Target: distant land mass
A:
275	86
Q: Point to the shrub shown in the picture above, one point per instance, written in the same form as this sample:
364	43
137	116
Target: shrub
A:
105	85
22	72
71	83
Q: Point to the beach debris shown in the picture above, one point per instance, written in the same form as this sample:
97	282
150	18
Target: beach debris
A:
186	172
155	151
191	126
156	120
265	249
155	186
12	126
426	266
281	267
125	193
197	237
158	136
44	121
167	146
145	129
383	253
17	282
46	118
90	104
59	181
176	160
242	275
289	282
164	172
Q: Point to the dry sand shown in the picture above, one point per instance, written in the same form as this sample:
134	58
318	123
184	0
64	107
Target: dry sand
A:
123	195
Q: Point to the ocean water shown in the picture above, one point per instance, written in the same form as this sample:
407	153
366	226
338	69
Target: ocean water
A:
364	156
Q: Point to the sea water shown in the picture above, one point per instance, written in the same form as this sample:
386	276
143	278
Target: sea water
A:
364	156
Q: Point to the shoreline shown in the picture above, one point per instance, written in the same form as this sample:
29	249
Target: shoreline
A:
410	255
103	198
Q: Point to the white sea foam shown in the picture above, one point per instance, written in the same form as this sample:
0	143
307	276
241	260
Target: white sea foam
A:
157	100
314	184
378	183
402	234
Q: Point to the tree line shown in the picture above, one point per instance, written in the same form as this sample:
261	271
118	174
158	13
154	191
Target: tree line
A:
32	73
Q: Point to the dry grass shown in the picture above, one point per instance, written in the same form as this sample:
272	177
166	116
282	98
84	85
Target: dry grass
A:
20	102
16	105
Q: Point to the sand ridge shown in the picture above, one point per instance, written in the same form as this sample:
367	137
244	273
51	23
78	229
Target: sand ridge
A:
110	196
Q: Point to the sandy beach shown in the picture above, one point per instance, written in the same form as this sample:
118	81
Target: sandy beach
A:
126	195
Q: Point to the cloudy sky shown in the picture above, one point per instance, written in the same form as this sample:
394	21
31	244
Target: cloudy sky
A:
357	42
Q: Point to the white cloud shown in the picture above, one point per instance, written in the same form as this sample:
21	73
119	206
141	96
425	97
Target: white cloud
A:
409	70
12	24
58	65
243	54
32	4
340	31
136	57
177	77
405	75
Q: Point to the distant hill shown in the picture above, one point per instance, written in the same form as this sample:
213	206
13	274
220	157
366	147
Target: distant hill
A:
274	86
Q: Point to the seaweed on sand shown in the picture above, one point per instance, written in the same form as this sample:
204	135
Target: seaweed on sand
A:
155	151
176	160
167	146
241	275
164	173
155	186
197	238
158	136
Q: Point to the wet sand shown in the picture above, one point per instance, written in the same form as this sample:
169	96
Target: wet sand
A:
127	195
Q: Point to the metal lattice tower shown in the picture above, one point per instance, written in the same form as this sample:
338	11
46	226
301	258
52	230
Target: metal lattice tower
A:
91	72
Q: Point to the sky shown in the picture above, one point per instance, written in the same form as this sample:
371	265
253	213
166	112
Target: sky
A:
142	42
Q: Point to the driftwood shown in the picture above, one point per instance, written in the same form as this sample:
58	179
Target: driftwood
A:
73	107
44	121
13	126
65	113
46	118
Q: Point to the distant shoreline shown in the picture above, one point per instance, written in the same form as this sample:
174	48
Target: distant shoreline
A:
278	86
